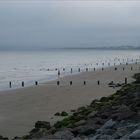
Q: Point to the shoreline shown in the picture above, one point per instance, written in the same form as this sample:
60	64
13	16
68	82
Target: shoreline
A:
21	108
64	74
44	81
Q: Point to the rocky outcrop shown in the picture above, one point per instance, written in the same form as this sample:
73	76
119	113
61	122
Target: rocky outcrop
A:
135	135
113	117
42	124
3	138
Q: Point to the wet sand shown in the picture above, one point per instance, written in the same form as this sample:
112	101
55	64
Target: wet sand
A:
21	108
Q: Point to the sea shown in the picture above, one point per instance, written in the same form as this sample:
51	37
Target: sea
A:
43	66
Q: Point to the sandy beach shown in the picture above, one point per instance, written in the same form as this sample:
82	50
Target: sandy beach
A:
21	108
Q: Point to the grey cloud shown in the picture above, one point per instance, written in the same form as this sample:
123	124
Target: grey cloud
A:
68	24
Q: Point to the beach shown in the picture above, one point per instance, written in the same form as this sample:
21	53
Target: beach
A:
71	65
21	108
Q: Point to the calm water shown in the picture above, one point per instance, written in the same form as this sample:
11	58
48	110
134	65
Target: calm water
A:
31	66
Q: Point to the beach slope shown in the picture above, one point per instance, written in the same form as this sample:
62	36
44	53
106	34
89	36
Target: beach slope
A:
21	108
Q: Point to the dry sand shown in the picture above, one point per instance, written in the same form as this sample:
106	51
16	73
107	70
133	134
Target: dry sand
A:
21	108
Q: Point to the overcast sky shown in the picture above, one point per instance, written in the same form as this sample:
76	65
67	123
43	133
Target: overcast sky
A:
47	24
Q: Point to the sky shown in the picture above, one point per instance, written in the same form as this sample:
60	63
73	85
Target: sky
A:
64	24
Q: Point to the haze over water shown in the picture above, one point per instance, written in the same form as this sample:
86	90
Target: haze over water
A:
29	66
